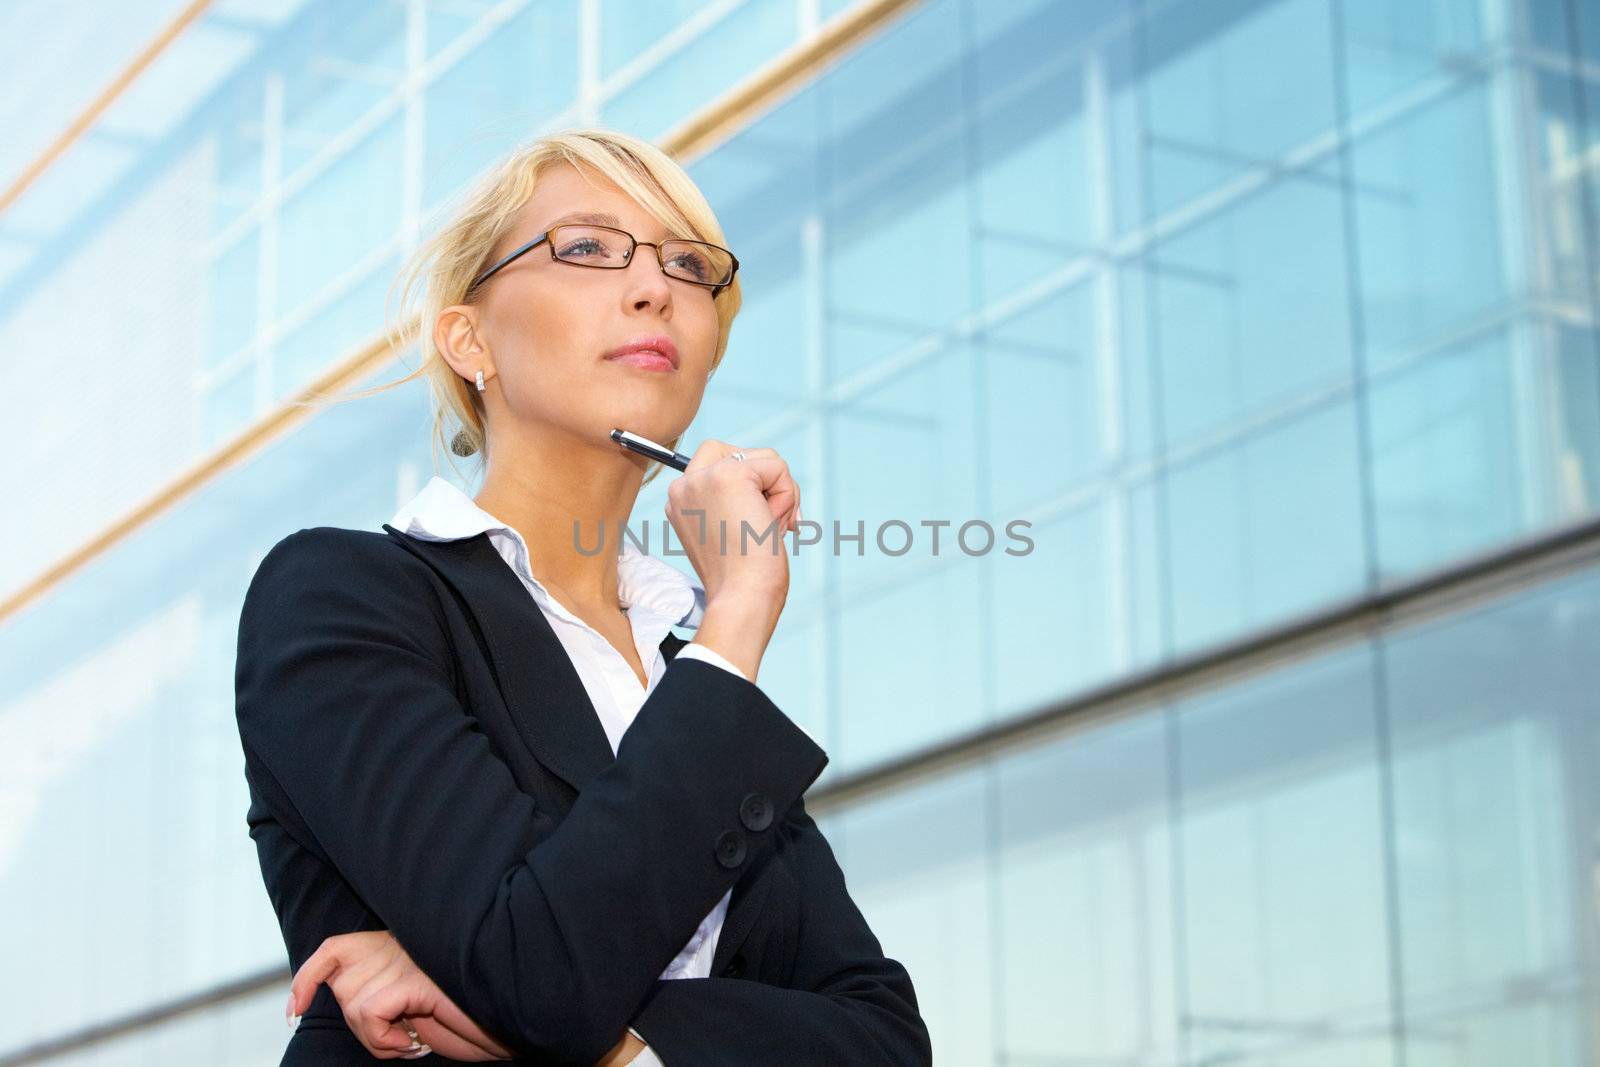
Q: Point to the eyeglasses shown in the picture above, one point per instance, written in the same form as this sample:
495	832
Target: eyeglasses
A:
703	264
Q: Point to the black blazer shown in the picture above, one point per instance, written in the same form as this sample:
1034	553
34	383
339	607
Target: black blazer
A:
422	757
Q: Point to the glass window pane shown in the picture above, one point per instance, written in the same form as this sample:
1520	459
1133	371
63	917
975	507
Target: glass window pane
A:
895	215
512	82
1085	899
343	58
1446	470
232	299
907	677
719	56
926	897
1044	376
1266	528
1252	310
1061	609
321	237
1390	48
1280	844
1428	225
903	453
1494	717
335	331
1229	86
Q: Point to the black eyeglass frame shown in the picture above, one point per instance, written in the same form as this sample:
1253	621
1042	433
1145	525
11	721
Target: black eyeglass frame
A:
715	287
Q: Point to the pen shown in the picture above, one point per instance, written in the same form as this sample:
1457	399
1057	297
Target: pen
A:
646	447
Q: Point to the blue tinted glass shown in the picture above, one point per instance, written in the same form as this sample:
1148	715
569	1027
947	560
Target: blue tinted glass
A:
908	881
897	273
233	124
1495	740
1230	85
894	190
509	82
908	666
320	237
340	326
1061	611
1084	879
903	452
1040	201
628	30
1447	459
1566	230
1046	382
1429	223
344	58
1281	851
651	98
233	298
1266	527
1391	48
1252	309
231	403
1576	369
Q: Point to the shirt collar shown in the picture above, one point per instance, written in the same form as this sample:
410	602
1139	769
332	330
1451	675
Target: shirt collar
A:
442	512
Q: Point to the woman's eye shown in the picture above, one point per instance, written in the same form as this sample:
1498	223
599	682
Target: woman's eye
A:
694	263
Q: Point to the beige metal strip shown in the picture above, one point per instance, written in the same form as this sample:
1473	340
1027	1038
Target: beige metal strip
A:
91	114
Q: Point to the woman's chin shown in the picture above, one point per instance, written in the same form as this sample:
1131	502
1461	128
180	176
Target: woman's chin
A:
643	419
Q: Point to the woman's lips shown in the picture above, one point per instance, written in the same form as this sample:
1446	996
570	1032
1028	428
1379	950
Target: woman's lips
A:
646	359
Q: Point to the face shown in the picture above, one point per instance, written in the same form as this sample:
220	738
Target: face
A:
541	329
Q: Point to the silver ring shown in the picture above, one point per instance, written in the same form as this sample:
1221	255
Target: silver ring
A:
738	454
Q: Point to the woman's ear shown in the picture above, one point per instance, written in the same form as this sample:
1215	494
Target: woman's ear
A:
456	336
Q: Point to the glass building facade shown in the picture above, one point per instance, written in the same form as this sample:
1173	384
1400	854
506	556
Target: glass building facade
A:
1275	320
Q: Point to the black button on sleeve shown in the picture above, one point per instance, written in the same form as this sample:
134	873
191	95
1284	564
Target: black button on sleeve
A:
755	811
730	848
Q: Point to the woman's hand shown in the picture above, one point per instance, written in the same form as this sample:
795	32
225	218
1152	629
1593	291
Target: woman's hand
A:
379	988
745	574
723	494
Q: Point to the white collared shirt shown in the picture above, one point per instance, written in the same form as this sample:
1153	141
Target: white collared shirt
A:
656	597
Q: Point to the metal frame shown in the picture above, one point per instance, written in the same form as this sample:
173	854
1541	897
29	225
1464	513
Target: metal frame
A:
715	287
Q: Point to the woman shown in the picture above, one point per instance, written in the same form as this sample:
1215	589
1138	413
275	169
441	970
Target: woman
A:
501	811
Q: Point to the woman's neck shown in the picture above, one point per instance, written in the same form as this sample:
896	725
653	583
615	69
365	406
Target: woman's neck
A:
571	514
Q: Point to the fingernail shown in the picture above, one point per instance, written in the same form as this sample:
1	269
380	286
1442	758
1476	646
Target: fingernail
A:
290	1019
417	1055
798	517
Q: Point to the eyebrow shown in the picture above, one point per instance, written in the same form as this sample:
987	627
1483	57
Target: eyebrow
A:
603	218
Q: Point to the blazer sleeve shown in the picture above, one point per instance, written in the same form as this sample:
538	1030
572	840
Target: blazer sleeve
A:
549	934
849	1003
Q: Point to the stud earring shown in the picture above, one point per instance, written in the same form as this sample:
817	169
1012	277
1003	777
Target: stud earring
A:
480	381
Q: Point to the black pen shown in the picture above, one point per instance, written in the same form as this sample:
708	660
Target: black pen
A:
646	447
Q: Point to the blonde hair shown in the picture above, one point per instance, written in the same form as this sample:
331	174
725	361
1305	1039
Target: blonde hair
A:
438	273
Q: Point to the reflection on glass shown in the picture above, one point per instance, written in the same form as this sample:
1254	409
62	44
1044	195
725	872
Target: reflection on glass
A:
1280	843
1084	887
917	862
1496	737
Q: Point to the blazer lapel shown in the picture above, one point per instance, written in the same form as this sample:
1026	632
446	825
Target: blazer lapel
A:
549	706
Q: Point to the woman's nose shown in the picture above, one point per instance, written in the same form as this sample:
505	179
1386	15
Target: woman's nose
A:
644	258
